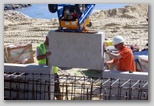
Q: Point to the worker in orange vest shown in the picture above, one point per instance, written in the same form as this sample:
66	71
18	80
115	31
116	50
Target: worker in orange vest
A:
124	58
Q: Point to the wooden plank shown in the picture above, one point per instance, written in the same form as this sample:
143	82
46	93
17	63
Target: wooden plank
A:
9	54
5	55
31	53
19	47
20	53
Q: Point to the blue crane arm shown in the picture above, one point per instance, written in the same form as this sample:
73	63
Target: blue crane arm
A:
86	13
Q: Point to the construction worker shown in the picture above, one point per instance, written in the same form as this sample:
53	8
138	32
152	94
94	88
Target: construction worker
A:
124	58
43	59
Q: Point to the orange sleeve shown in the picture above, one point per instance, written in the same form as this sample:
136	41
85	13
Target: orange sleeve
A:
124	54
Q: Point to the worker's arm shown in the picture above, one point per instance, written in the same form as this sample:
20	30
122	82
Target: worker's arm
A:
40	57
113	55
109	61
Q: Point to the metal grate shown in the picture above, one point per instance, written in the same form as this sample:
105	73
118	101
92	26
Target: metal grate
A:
30	86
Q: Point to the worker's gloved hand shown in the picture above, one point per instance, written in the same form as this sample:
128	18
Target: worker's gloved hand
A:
48	53
105	61
104	47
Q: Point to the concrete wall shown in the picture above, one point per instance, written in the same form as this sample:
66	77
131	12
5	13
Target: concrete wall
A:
125	85
27	68
126	75
112	89
77	50
30	87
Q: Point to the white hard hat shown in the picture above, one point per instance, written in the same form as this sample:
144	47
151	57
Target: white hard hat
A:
117	39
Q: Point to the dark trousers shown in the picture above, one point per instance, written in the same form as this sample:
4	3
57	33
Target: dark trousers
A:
57	87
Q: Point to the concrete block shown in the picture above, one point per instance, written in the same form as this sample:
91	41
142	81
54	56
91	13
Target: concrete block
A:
26	68
77	50
125	75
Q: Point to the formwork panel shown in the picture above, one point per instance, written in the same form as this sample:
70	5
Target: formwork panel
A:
77	50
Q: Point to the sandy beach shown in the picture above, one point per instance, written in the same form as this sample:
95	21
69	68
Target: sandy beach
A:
129	22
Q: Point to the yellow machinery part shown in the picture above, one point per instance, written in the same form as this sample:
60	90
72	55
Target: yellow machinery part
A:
73	24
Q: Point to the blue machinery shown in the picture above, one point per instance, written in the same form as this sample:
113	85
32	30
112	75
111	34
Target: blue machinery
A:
68	23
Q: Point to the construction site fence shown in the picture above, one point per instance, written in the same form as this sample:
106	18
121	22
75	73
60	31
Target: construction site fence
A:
37	86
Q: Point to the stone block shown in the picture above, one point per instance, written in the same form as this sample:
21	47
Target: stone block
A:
77	50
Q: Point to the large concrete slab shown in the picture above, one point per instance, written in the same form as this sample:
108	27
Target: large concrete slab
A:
77	50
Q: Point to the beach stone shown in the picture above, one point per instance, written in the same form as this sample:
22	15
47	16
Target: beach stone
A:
15	6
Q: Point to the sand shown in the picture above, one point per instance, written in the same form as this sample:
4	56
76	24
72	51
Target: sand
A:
129	22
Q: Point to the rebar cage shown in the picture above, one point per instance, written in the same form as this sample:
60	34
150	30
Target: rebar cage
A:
36	86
